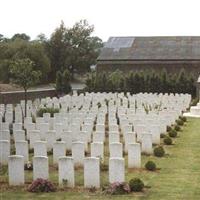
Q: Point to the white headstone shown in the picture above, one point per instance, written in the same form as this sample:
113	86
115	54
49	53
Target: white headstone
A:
5	151
59	150
40	148
116	149
40	167
66	171
97	150
116	170
22	149
91	172
134	155
78	152
16	170
147	143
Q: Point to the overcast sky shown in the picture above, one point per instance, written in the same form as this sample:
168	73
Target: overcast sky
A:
110	17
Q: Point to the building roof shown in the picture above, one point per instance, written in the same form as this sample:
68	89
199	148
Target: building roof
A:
151	48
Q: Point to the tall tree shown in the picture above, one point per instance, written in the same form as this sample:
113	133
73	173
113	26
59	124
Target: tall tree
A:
20	49
21	36
23	75
57	50
83	49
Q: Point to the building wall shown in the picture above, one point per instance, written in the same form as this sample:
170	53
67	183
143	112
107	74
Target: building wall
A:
171	66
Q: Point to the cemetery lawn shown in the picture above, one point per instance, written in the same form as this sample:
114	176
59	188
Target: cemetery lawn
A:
178	177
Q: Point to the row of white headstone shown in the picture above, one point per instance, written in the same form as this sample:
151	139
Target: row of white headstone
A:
78	151
66	170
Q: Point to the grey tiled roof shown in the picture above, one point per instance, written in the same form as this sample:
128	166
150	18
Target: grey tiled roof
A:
151	48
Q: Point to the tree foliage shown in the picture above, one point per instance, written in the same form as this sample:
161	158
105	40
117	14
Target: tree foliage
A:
23	74
63	82
73	48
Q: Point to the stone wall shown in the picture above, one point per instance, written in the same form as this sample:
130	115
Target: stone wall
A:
16	96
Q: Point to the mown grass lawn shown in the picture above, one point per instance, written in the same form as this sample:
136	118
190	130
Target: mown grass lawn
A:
178	177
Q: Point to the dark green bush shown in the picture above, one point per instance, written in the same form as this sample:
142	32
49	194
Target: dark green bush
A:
167	140
179	122
150	165
177	128
184	119
172	133
66	82
136	185
169	128
162	135
159	151
41	111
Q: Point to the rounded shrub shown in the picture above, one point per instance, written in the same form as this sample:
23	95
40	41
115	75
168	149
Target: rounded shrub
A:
177	128
150	165
184	119
179	122
136	185
159	151
162	135
169	128
167	140
173	133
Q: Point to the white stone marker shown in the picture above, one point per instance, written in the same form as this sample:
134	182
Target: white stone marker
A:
50	138
116	149
4	151
34	136
22	149
114	137
66	171
5	135
98	136
147	143
59	150
66	136
155	131
134	155
97	150
91	172
78	152
19	135
16	170
129	137
116	170
40	167
40	148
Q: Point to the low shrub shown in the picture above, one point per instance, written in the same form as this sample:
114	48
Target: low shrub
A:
136	185
172	133
179	122
150	165
159	151
167	140
184	119
41	185
162	135
169	128
177	128
41	111
118	188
